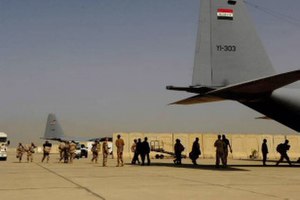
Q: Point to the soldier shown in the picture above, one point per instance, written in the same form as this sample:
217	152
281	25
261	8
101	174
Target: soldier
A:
264	150
20	150
72	151
226	145
30	151
196	152
145	151
120	147
136	154
66	152
95	150
178	148
46	151
219	144
282	149
105	152
139	148
61	148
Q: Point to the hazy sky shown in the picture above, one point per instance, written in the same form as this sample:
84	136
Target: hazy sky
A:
102	66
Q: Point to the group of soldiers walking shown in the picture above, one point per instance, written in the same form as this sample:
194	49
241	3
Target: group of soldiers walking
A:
96	148
281	148
67	151
141	150
29	149
221	145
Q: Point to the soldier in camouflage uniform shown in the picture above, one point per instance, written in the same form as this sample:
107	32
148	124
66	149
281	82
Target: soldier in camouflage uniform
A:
120	147
95	150
30	151
20	151
61	148
72	151
66	152
105	151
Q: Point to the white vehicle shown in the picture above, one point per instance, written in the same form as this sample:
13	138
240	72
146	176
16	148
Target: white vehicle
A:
3	146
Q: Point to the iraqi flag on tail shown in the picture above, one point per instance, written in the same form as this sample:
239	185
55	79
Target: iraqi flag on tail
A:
225	13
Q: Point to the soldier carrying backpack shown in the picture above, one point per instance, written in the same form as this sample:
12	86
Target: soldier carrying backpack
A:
178	149
282	149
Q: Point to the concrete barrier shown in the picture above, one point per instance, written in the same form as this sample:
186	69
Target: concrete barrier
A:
208	141
238	149
244	146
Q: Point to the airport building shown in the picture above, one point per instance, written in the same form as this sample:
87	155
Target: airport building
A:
244	146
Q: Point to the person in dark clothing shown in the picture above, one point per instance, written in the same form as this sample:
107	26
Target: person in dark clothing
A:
134	150
178	148
264	150
282	149
219	144
145	151
196	152
46	151
226	145
139	148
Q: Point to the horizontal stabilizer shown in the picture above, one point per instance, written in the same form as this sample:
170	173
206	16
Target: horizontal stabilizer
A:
260	86
191	89
198	99
247	91
263	117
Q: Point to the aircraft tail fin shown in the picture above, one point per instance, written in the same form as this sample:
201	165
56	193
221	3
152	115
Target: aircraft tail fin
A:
53	129
228	49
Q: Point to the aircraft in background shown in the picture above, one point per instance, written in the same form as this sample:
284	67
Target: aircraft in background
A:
231	64
55	132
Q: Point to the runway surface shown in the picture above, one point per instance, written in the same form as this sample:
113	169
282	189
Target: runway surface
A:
246	180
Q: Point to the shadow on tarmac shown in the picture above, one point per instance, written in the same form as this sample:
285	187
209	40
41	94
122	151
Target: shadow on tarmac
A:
270	163
200	167
232	167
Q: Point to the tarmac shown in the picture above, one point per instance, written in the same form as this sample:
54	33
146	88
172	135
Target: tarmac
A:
243	179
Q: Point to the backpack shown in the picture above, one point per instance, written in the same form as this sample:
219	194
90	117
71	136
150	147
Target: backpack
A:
279	148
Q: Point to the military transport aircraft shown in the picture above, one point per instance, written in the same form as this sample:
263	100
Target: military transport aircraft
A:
54	131
231	64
